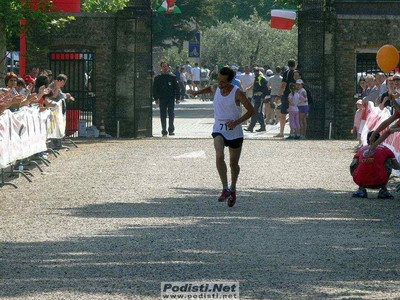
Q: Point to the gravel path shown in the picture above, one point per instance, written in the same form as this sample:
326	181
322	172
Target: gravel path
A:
112	219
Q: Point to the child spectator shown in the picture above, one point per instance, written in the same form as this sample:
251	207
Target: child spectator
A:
297	95
357	122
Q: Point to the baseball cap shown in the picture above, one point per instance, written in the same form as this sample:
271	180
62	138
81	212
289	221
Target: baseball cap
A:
269	72
299	81
28	79
359	101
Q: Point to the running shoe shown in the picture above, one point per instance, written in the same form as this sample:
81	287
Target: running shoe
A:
231	200
360	194
384	194
224	195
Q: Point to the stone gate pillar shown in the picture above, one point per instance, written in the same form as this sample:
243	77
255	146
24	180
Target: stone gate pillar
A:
133	69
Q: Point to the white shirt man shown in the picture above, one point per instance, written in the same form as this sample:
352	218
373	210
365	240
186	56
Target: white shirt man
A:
196	73
247	80
275	82
372	90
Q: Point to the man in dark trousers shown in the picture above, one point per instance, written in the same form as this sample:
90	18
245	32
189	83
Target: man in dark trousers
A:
166	92
260	91
287	79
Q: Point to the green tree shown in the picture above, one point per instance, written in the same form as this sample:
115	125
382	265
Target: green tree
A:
202	14
177	28
243	9
13	11
176	58
11	14
103	5
248	42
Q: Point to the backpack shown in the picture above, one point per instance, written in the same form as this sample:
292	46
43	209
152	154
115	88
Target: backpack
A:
309	97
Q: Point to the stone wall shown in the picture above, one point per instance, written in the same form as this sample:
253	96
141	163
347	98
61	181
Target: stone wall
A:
358	33
89	32
122	46
346	28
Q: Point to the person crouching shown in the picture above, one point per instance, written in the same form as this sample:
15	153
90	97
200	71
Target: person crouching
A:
372	170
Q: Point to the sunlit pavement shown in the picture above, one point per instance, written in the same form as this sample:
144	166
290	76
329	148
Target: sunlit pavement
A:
195	118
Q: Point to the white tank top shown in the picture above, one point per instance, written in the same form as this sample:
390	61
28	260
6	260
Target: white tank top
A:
225	110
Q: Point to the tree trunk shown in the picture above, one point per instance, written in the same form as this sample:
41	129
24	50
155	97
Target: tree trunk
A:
180	46
254	55
3	49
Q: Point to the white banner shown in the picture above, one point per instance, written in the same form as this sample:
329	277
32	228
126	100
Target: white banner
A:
24	133
374	119
56	122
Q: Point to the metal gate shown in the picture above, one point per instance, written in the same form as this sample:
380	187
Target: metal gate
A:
142	80
79	66
366	64
311	62
133	109
142	88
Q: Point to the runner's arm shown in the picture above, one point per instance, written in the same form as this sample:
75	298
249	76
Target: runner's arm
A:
206	90
283	87
395	104
241	97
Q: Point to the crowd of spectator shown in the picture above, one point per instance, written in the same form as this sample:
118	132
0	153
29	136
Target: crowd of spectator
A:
374	91
267	89
37	90
378	103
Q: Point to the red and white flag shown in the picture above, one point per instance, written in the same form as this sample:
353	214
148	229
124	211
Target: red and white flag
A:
283	19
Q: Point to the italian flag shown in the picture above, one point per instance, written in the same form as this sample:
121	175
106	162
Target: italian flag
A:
283	19
169	7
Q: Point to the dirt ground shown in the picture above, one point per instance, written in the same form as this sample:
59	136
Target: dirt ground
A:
113	219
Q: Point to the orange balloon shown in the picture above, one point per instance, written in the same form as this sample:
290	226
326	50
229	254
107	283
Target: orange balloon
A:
387	58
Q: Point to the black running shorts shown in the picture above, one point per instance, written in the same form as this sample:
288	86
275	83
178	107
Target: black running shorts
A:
236	143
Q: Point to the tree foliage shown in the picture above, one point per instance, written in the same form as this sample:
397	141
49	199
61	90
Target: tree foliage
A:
175	58
13	11
177	28
243	9
246	42
103	5
201	14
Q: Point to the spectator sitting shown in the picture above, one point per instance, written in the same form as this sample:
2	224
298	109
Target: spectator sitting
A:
18	100
372	170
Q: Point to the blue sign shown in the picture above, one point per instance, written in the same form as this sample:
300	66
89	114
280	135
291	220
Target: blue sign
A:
194	50
197	36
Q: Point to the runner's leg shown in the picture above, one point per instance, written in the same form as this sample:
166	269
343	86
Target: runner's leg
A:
234	156
219	146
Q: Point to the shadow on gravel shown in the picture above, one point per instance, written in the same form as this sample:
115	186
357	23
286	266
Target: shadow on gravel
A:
280	244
